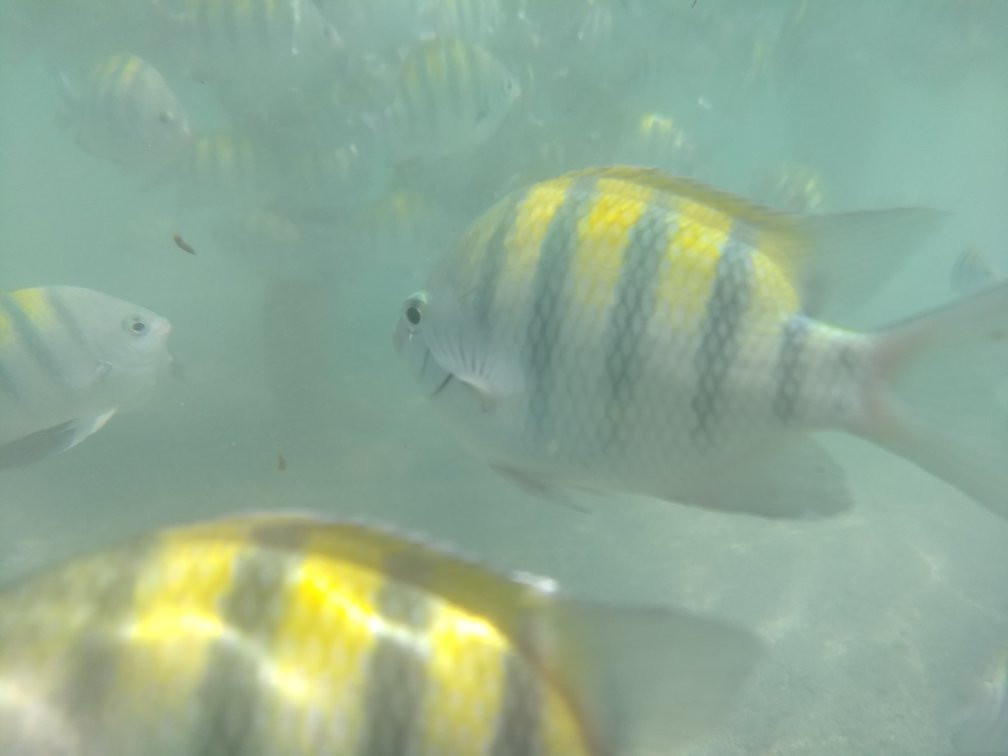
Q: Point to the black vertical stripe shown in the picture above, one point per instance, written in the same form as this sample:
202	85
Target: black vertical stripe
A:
396	676
519	729
54	296
731	292
492	261
92	664
230	693
549	301
29	336
633	305
790	373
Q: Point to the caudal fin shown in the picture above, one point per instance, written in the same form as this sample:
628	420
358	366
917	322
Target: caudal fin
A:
936	399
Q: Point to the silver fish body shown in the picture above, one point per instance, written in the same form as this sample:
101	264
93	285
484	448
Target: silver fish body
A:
69	358
619	330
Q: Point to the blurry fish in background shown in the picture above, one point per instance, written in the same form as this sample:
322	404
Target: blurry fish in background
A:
793	187
377	27
252	49
328	178
659	141
974	270
619	330
69	358
451	96
226	169
126	112
471	20
288	634
272	243
981	727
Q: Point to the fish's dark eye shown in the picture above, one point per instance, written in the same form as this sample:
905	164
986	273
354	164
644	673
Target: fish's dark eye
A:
413	315
136	326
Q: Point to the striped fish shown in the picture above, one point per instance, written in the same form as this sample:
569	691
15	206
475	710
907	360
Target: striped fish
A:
254	45
473	20
227	167
619	330
127	113
280	634
69	358
451	96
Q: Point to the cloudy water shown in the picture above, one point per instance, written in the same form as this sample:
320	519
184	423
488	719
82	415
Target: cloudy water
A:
251	193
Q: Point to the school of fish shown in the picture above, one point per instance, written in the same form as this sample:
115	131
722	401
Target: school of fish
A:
597	314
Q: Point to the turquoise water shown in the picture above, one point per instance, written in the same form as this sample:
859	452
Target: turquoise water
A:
876	621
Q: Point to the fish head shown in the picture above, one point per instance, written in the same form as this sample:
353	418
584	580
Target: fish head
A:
463	367
129	341
410	341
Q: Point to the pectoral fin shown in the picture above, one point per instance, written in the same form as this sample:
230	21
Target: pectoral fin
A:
43	443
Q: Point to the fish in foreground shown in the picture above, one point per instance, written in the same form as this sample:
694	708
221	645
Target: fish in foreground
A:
287	634
620	330
69	358
981	728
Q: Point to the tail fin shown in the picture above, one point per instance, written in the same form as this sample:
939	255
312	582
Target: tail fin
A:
935	401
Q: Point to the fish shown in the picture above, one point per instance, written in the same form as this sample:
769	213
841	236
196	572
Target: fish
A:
619	330
69	359
288	633
127	113
226	168
473	20
253	45
981	726
183	244
450	97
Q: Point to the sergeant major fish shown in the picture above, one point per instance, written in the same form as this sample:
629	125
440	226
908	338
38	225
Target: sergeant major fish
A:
284	634
127	113
619	330
69	358
450	96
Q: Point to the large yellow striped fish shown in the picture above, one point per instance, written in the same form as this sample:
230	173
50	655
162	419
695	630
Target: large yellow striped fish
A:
617	329
69	358
283	634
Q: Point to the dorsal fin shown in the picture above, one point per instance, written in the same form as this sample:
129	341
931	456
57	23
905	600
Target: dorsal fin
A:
836	261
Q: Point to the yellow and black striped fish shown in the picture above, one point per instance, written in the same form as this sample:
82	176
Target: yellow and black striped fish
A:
284	634
621	330
69	358
126	112
450	96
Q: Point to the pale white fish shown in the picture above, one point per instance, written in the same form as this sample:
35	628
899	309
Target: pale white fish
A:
621	330
981	727
69	358
126	112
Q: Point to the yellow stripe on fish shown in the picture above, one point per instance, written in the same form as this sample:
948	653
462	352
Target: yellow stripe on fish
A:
287	634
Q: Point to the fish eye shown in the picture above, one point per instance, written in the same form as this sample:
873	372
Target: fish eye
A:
413	311
136	325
